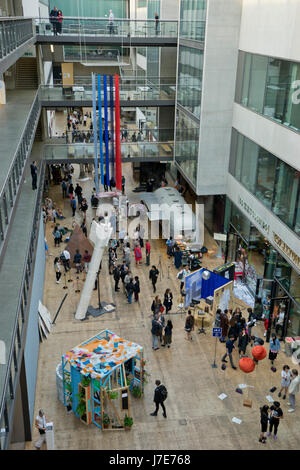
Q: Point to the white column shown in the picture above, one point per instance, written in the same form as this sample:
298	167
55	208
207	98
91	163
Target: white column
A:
2	90
99	235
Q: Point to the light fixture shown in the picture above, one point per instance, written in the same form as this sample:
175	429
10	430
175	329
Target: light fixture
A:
205	275
51	48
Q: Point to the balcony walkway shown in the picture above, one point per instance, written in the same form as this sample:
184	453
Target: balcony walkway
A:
13	117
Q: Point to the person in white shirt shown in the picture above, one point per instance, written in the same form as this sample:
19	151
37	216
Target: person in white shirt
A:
111	22
280	320
40	424
293	389
285	381
65	257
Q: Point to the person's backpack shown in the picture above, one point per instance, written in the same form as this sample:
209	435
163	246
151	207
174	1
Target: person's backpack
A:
180	275
163	392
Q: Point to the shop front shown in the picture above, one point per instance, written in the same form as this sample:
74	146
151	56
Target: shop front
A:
263	270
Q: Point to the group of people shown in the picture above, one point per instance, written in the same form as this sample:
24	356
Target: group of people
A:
56	19
161	332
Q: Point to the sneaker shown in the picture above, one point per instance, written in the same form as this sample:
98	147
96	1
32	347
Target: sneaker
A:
279	394
291	410
265	333
284	397
164	415
234	367
262	441
288	403
268	434
224	360
153	414
275	438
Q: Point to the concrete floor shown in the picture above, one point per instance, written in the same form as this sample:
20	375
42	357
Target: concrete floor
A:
197	418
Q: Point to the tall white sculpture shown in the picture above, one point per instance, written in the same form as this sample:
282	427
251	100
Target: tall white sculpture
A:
99	235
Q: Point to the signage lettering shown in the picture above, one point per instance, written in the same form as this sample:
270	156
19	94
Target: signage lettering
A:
287	250
254	215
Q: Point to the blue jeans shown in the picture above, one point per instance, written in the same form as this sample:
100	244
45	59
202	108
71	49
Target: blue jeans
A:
129	297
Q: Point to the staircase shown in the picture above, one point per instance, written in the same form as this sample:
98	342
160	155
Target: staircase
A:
26	74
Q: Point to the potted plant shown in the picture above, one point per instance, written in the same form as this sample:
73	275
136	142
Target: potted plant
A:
81	410
113	395
85	381
128	422
136	391
105	420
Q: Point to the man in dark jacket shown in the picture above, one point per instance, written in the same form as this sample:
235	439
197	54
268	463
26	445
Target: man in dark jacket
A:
153	275
33	171
159	398
117	275
53	20
229	349
77	261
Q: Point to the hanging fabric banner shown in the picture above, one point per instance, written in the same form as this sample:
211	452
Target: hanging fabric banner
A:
112	140
118	136
106	129
100	130
95	132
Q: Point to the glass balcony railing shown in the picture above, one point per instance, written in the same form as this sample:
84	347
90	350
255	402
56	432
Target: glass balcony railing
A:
127	136
13	33
103	27
128	92
140	150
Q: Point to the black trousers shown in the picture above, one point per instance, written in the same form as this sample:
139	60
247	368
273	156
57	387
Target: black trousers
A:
275	423
34	181
161	403
153	284
116	285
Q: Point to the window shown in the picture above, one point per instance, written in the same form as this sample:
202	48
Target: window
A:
249	166
257	83
187	141
278	83
266	172
286	193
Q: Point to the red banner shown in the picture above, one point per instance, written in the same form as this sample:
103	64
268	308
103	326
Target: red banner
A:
118	165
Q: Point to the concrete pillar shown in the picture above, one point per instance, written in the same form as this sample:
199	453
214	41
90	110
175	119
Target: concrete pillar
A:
2	90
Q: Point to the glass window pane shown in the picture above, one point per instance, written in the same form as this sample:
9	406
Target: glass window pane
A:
257	83
186	151
292	111
246	79
297	221
278	84
266	172
286	193
249	165
239	156
240	222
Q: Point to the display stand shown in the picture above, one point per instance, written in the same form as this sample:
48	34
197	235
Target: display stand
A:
50	436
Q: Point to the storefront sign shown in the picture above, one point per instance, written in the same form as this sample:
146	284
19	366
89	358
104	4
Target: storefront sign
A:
286	250
254	215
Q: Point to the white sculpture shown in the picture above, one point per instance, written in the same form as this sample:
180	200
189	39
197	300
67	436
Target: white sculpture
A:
99	235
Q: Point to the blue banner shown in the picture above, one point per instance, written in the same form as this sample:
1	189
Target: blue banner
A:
95	132
100	130
106	129
112	140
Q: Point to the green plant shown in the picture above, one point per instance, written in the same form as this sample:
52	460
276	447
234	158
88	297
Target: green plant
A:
136	391
106	419
81	409
85	381
113	395
128	421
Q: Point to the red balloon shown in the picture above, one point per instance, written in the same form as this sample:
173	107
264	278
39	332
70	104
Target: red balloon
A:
259	352
247	364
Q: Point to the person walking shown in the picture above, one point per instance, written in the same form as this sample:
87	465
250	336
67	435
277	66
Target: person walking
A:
224	324
168	334
156	304
170	247
162	321
65	258
57	236
156	18
285	381
229	349
77	261
78	192
168	300
130	290
123	185
155	330
137	255
117	275
73	206
264	418
136	288
243	342
160	395
57	270
148	250
127	254
33	171
275	417
177	258
86	259
40	424
153	275
64	189
189	325
83	208
274	348
293	389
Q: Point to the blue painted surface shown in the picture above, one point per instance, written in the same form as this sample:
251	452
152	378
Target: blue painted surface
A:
75	379
31	351
106	129
112	141
95	132
100	130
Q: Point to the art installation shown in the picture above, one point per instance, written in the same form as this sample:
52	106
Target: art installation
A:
100	234
97	376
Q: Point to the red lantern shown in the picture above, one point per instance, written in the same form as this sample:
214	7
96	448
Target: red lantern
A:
247	364
259	353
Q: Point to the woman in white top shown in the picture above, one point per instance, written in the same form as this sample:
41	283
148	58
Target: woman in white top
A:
40	424
285	381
